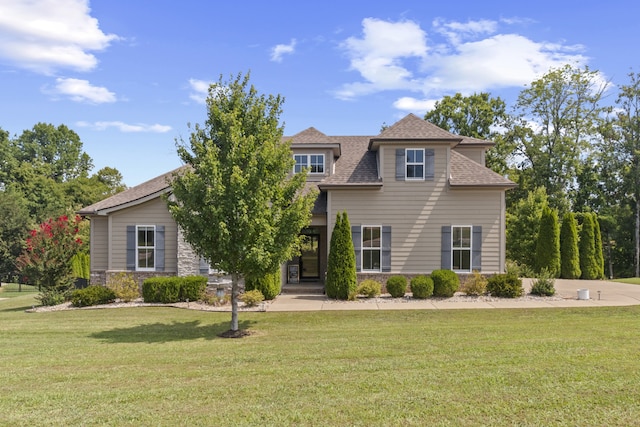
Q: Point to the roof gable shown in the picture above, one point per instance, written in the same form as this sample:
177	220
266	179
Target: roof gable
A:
309	136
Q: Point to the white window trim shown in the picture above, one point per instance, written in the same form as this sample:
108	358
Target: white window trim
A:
362	249
138	247
470	249
308	162
407	164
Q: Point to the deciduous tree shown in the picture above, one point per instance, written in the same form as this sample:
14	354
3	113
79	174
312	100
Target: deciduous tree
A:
236	200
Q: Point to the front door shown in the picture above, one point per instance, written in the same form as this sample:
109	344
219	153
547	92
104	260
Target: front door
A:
310	257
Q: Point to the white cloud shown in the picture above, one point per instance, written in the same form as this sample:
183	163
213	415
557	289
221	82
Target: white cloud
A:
278	51
456	57
46	35
199	90
125	127
82	91
378	56
413	105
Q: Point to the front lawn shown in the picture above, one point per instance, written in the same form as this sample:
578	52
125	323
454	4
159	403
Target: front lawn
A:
166	366
630	280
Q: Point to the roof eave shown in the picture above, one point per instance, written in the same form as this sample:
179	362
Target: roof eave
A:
350	185
129	204
335	147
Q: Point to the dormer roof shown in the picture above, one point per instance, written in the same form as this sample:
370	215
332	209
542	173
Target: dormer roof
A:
414	129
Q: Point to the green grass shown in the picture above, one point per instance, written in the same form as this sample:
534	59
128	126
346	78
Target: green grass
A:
630	280
12	290
166	366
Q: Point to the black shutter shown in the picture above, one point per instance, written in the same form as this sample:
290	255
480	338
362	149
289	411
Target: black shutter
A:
160	248
131	247
356	237
445	256
476	248
400	165
386	248
429	163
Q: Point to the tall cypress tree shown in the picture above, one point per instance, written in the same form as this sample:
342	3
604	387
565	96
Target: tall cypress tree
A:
597	243
348	280
588	264
333	263
569	255
548	243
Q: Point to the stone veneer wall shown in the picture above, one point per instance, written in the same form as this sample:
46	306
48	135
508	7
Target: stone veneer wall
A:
188	261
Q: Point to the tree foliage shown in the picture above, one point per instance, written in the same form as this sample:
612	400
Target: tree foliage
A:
557	117
236	200
588	261
523	221
597	244
548	243
46	259
569	255
341	278
476	116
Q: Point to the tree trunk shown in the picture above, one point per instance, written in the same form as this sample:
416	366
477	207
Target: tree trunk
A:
234	301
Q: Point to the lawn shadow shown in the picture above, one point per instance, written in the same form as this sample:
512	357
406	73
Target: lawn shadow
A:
166	332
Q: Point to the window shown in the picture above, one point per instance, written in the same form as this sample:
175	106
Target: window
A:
414	163
371	249
313	162
461	248
145	247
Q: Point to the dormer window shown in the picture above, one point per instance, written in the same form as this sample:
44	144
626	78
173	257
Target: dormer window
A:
313	162
414	163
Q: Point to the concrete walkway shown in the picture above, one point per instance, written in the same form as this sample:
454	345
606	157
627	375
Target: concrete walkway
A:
601	293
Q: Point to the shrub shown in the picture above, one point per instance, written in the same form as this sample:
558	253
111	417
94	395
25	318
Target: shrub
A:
252	298
505	286
544	284
269	284
519	270
51	297
475	284
341	266
421	287
569	255
548	243
397	286
588	262
124	286
164	290
92	295
192	288
445	283
369	288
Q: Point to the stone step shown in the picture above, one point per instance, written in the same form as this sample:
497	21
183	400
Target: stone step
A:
303	288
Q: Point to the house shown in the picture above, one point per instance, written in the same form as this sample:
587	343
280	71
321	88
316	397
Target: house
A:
418	198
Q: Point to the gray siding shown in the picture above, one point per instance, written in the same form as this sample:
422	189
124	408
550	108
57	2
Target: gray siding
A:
474	153
416	211
153	212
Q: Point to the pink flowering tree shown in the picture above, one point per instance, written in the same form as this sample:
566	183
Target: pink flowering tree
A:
46	260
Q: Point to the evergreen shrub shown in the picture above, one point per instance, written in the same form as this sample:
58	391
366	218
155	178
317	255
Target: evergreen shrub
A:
192	288
92	295
397	286
269	284
588	262
165	290
569	255
369	288
548	243
421	287
341	279
505	286
445	283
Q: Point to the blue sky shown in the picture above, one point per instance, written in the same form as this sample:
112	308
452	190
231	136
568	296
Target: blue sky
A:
128	76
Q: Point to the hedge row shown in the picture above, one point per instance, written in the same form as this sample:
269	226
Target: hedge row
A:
441	283
167	290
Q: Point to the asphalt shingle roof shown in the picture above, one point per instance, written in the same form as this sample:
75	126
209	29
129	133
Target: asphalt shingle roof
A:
356	165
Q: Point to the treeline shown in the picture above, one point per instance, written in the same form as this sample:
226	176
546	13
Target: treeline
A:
566	149
44	173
